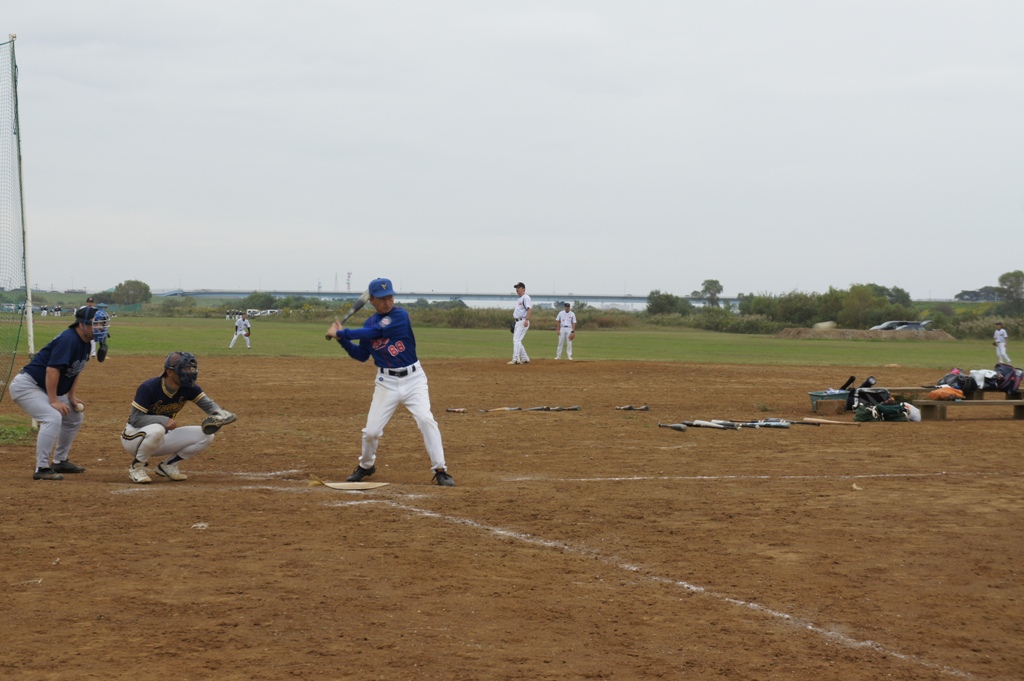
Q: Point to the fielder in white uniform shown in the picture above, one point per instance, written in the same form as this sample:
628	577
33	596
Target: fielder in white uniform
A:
387	337
242	327
522	316
999	340
565	325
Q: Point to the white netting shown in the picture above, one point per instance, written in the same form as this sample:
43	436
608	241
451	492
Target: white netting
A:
13	293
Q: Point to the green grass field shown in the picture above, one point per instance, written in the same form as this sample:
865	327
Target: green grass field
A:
210	337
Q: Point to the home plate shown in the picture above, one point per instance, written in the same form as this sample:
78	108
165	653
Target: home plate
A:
345	485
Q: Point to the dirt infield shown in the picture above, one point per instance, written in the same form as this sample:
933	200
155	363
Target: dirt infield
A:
575	545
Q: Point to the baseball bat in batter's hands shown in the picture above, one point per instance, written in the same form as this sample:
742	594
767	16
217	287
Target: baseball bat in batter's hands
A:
356	306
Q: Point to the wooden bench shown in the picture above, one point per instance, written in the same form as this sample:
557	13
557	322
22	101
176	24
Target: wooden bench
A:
935	410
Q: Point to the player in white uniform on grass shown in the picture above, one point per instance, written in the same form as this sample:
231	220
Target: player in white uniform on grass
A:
242	327
387	337
565	325
999	340
522	316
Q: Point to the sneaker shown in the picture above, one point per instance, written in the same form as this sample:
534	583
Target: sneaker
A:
525	361
170	470
67	467
443	479
513	362
137	473
46	474
359	473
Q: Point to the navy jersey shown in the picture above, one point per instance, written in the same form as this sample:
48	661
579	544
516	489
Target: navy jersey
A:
67	353
387	338
153	398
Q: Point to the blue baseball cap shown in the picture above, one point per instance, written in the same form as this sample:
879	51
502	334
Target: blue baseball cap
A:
381	287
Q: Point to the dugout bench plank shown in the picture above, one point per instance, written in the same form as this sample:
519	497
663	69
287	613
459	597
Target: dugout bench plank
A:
935	410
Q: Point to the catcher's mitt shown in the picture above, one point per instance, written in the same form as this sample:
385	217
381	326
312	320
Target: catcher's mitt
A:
214	422
101	351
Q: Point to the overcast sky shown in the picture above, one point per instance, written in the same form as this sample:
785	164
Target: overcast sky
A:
586	147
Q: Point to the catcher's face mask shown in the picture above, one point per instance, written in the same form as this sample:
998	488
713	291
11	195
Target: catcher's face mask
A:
185	366
100	326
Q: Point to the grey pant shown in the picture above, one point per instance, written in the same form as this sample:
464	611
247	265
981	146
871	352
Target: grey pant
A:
53	428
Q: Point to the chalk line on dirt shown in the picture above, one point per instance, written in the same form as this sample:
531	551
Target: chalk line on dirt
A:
851	476
798	622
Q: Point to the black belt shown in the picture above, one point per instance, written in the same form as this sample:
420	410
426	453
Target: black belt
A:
400	373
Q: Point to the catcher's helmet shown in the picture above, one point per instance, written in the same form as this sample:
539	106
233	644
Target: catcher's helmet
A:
185	367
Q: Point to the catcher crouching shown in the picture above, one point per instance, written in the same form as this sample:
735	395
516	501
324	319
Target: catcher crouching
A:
152	431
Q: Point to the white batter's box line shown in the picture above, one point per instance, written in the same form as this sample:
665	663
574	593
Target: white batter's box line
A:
805	625
851	476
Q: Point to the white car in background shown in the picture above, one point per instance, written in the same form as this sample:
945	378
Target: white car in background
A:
902	326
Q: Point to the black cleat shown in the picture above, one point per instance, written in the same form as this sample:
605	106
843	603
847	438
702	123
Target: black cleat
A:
360	473
443	479
46	474
67	467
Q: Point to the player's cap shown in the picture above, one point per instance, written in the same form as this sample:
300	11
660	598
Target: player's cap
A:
381	287
84	314
567	305
90	300
520	285
999	323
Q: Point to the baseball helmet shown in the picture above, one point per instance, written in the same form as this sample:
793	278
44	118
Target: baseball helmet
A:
185	367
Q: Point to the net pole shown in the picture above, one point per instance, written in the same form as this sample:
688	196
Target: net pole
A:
29	330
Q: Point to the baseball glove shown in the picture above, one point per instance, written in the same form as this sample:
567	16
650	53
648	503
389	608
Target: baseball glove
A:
214	422
572	336
101	351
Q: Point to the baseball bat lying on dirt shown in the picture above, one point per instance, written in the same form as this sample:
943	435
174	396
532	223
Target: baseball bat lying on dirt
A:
792	423
576	408
752	424
674	426
502	409
538	409
459	410
703	424
831	423
630	407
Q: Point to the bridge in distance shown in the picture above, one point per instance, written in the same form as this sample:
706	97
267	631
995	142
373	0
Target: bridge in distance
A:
624	301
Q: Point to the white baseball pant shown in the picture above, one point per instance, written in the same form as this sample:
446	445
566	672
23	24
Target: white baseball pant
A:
154	441
1001	355
518	350
563	339
388	393
242	334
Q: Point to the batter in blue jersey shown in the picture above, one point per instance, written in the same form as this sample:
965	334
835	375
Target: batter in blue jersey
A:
387	337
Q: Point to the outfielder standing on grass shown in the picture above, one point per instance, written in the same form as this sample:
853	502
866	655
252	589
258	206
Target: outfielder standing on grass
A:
387	337
45	389
522	316
999	340
151	429
242	328
565	325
